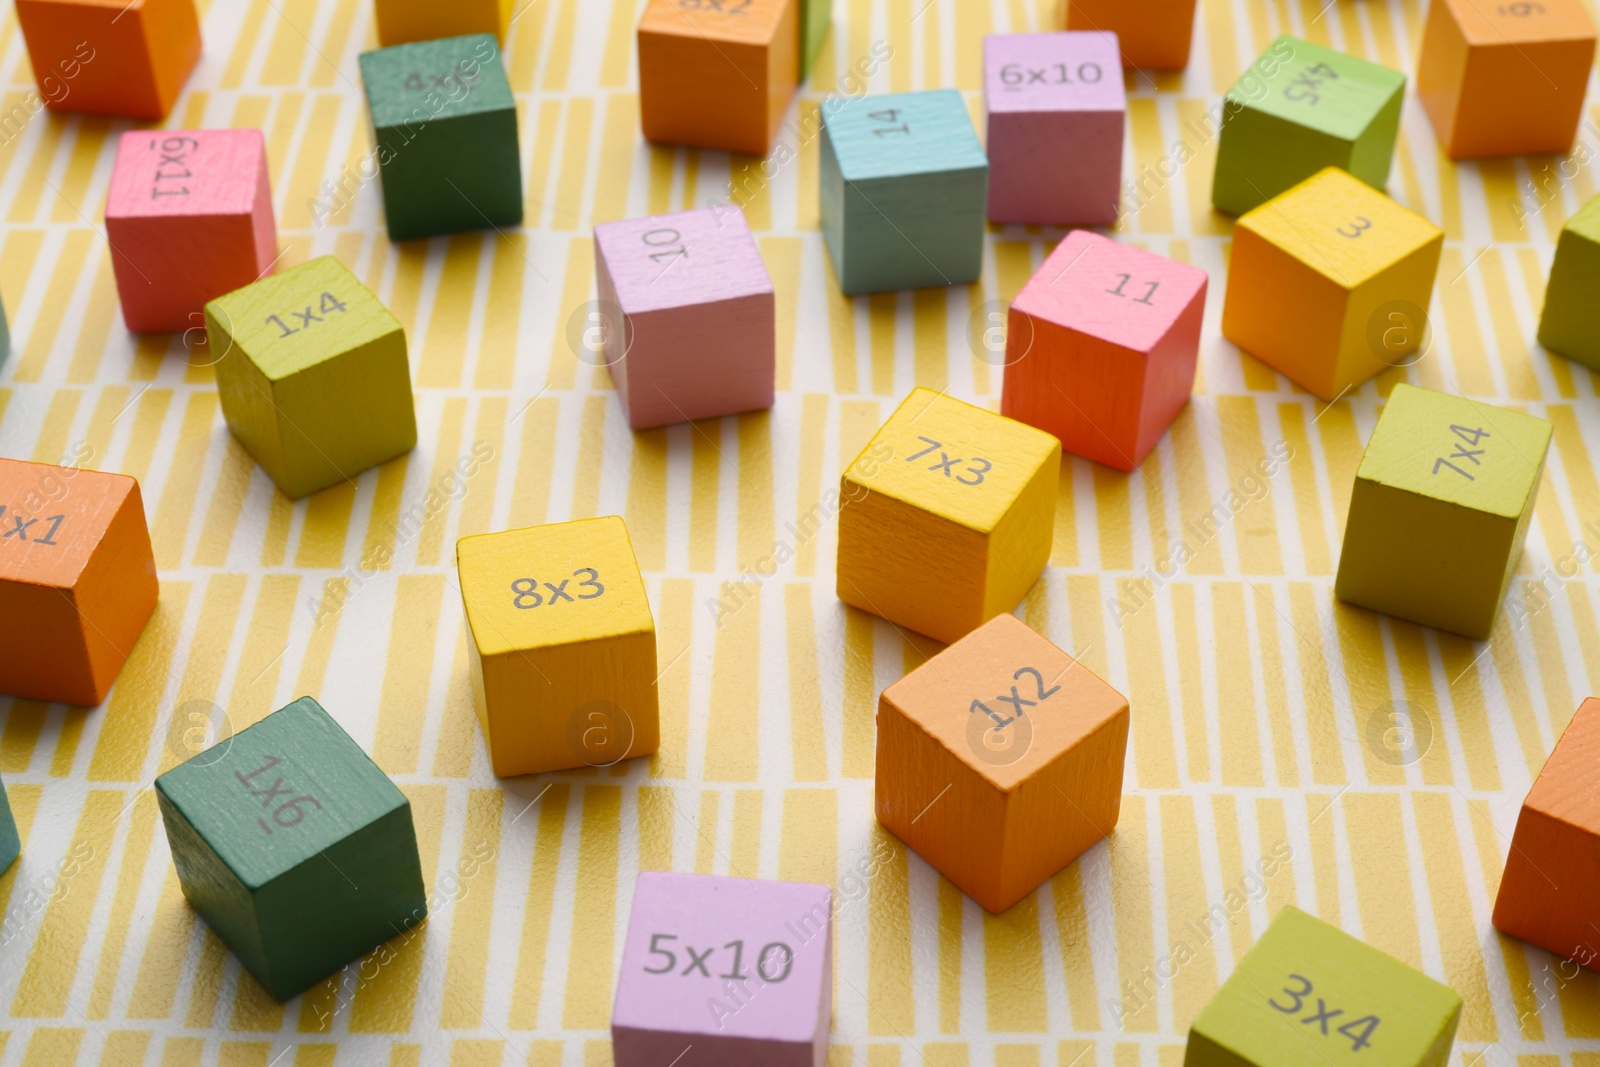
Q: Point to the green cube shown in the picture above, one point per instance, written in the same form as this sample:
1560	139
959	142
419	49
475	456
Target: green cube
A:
1570	325
904	190
292	844
313	376
815	16
1440	509
1299	108
1310	995
445	126
10	842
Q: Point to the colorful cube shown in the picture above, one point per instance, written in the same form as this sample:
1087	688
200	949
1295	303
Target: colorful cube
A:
904	191
1000	761
189	218
815	18
1310	995
1101	347
563	646
77	578
127	58
1550	894
405	21
719	73
1505	79
1299	108
698	336
5	334
10	841
1329	284
295	848
1440	509
313	376
1056	109
1570	324
723	971
445	127
948	518
1152	34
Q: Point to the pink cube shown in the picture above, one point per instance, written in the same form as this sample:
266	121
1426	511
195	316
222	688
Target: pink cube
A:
699	328
1056	106
724	972
189	218
1101	347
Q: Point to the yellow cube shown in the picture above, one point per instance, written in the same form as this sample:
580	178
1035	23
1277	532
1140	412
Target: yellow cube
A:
948	516
1329	283
563	646
404	21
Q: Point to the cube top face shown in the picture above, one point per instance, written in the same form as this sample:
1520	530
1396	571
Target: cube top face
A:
774	934
1456	450
754	22
552	585
1569	786
1072	71
1341	227
1310	995
175	173
414	84
1508	24
1586	223
673	261
280	792
1112	291
289	322
952	459
1309	85
1005	701
901	134
47	533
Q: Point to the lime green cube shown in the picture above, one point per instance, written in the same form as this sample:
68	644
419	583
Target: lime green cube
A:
1440	510
1570	325
1310	995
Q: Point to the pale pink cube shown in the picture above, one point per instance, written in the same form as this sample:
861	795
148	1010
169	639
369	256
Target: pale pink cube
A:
724	972
189	219
1056	108
699	326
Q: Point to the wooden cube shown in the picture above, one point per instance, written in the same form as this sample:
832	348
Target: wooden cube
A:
1000	761
405	21
1101	347
718	73
1056	109
10	841
294	847
948	517
189	218
904	190
563	646
723	971
1505	79
1152	34
1440	509
815	18
1310	995
1299	108
699	332
1329	284
1550	894
1570	323
77	579
5	334
127	58
445	126
313	376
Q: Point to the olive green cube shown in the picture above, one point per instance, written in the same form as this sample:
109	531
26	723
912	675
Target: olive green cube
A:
10	841
1440	510
1570	323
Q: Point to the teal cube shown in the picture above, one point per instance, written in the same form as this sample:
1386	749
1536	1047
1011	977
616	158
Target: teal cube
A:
10	841
292	844
815	16
444	124
1570	322
904	189
5	334
1298	109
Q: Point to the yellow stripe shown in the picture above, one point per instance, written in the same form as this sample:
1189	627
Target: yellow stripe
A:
657	825
1144	127
1187	900
745	861
567	210
579	279
52	443
98	317
883	321
972	23
52	1046
458	733
1516	361
444	347
587	1004
891	1008
1195	496
255	684
1237	721
1456	929
705	852
1190	696
544	154
1281	887
136	850
1381	883
1014	969
124	1047
286	55
812	518
530	497
21	734
930	337
591	453
782	257
559	60
1131	888
418	602
130	717
1155	760
472	911
620	37
319	152
614	171
1115	518
552	816
170	529
735	674
497	352
227	504
483	472
24	800
674	630
437	499
1460	316
805	694
165	950
1280	714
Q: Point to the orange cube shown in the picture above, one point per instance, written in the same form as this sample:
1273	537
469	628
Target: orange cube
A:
77	580
1505	79
111	57
1000	761
1550	894
718	73
1153	34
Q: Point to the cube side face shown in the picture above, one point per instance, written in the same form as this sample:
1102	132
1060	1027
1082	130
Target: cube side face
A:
1442	71
10	840
946	212
245	396
1521	98
213	889
405	21
1551	887
168	269
1019	548
1385	317
700	362
1283	313
1152	36
1373	155
1260	155
1569	325
1059	167
1082	390
1568	787
172	37
1169	375
89	57
454	175
117	592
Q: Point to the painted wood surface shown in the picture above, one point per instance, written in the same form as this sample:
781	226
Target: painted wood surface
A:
405	21
1569	324
10	841
127	59
1151	35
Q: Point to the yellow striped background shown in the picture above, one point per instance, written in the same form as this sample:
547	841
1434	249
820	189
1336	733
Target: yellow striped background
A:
1252	691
